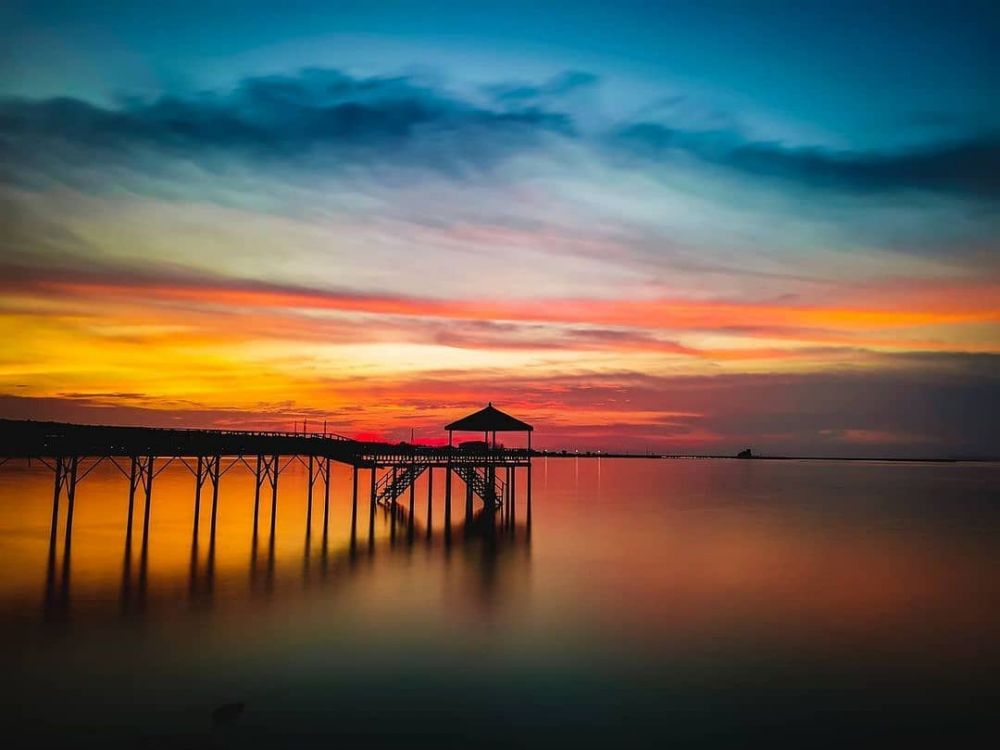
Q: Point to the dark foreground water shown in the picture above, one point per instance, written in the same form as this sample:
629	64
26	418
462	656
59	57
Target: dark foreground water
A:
727	603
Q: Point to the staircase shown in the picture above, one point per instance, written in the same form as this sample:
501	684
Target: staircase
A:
387	490
476	478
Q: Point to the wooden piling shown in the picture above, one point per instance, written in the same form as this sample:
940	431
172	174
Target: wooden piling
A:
148	495
198	478
214	466
309	498
371	511
56	493
430	500
256	494
131	498
274	494
326	494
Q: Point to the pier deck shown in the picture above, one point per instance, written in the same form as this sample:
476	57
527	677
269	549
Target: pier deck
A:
72	451
28	439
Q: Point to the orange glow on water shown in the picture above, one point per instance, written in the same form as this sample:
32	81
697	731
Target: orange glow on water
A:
676	561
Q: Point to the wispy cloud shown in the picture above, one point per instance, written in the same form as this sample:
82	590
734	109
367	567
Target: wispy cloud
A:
892	305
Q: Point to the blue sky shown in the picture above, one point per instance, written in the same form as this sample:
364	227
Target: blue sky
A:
553	196
914	67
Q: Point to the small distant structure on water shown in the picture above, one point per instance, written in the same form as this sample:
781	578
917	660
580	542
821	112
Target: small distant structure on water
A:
745	453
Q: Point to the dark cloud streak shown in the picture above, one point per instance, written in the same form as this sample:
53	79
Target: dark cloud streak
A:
327	119
968	167
317	113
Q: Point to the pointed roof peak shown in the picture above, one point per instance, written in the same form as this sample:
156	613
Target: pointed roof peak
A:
489	419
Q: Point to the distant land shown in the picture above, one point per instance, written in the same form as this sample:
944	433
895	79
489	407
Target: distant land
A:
898	459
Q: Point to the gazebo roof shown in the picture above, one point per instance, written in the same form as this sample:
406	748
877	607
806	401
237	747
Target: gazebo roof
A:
489	419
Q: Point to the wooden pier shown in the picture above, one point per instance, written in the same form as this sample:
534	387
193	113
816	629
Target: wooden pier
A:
486	470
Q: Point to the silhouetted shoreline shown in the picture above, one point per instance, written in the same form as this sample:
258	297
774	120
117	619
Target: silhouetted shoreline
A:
601	454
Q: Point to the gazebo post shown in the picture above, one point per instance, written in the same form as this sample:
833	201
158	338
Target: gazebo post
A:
491	480
493	470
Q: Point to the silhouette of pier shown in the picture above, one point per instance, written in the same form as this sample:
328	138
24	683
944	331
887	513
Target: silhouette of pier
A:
486	470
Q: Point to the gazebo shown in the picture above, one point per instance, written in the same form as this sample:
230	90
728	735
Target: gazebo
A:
489	421
479	469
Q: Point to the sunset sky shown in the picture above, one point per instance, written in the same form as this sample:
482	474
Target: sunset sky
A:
687	227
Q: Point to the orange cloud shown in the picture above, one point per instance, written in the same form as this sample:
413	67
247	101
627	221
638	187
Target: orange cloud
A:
901	304
225	351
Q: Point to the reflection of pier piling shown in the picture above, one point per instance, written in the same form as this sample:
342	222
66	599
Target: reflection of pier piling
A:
487	547
487	539
488	471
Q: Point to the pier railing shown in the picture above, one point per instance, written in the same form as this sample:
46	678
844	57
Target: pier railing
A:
28	439
402	455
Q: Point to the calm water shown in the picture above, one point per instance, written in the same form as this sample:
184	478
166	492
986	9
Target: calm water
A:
723	602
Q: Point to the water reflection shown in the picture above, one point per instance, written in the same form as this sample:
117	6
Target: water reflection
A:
486	542
678	597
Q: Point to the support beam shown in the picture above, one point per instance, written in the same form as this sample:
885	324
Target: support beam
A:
214	475
199	478
326	494
371	512
132	485
447	501
513	496
148	495
528	513
354	505
430	501
447	493
56	492
468	500
392	508
70	503
69	479
256	495
413	489
274	494
491	484
309	498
